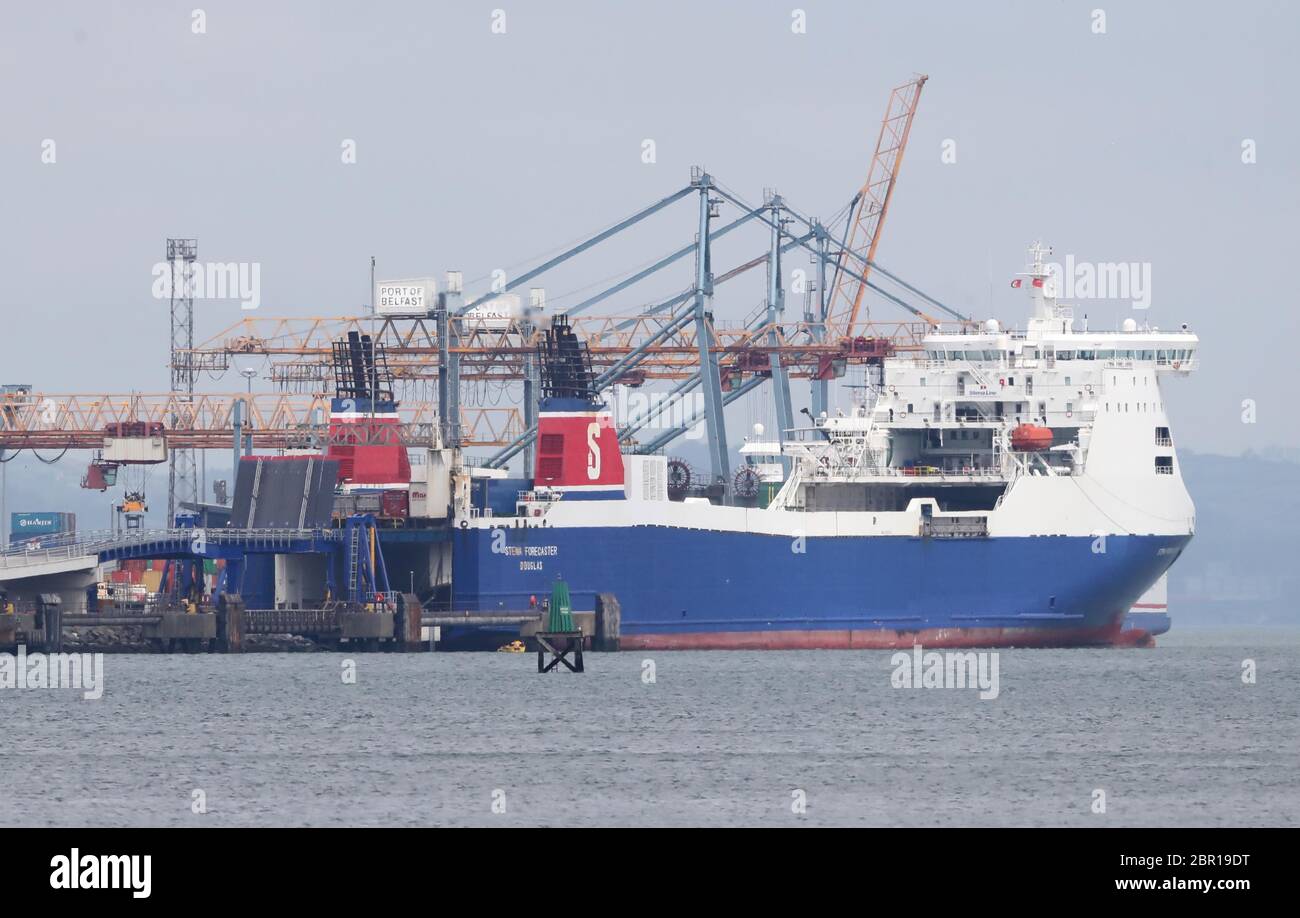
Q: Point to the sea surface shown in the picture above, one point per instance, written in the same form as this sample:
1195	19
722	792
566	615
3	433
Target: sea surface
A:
1171	736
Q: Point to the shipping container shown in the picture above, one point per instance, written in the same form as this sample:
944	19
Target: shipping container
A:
395	504
354	502
370	502
26	525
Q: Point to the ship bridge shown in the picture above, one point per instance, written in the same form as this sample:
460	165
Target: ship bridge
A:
1168	351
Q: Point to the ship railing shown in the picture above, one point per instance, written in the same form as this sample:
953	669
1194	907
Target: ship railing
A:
539	494
1164	441
956	422
1038	464
54	548
923	363
94	542
926	473
21	558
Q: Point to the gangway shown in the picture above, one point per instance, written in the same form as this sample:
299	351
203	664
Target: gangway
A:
362	572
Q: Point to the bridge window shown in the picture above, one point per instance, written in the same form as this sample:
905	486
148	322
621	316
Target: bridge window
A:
1164	465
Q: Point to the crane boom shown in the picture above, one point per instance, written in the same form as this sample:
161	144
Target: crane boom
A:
867	217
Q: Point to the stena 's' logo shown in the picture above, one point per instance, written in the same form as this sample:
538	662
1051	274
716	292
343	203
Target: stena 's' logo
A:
593	451
102	871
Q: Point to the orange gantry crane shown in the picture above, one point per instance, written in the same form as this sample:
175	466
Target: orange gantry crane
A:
869	207
57	422
298	350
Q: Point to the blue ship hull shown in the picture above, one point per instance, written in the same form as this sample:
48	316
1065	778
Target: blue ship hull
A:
681	588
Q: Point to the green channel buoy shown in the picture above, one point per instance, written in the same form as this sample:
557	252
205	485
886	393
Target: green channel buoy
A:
561	609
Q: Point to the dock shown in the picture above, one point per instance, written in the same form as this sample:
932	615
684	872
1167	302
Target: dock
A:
225	627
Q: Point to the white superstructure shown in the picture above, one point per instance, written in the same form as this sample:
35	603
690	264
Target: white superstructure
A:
1053	429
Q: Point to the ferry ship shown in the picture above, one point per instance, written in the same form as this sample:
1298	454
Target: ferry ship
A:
1001	488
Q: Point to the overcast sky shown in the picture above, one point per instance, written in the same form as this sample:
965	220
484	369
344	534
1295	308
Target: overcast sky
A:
477	150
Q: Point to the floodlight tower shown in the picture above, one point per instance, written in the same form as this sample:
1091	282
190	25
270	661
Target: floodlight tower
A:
182	472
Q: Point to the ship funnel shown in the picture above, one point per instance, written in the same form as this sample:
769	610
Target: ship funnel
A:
577	443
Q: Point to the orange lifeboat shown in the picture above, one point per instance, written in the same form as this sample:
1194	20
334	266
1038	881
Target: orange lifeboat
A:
1031	438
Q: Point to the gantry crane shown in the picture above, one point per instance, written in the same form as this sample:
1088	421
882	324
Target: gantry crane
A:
868	209
54	423
675	339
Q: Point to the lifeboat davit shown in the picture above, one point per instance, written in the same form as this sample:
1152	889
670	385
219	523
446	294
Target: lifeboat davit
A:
1031	438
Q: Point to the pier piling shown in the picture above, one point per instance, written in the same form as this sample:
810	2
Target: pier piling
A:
230	623
609	619
49	614
408	626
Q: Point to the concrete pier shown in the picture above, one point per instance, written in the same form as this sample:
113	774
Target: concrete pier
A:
365	626
191	632
225	627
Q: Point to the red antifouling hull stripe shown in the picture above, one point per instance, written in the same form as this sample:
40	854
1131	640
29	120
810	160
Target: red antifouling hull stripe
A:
873	639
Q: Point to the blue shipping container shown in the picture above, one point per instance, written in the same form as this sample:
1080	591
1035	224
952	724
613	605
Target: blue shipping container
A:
26	525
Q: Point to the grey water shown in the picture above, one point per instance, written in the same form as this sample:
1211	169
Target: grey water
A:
1171	736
